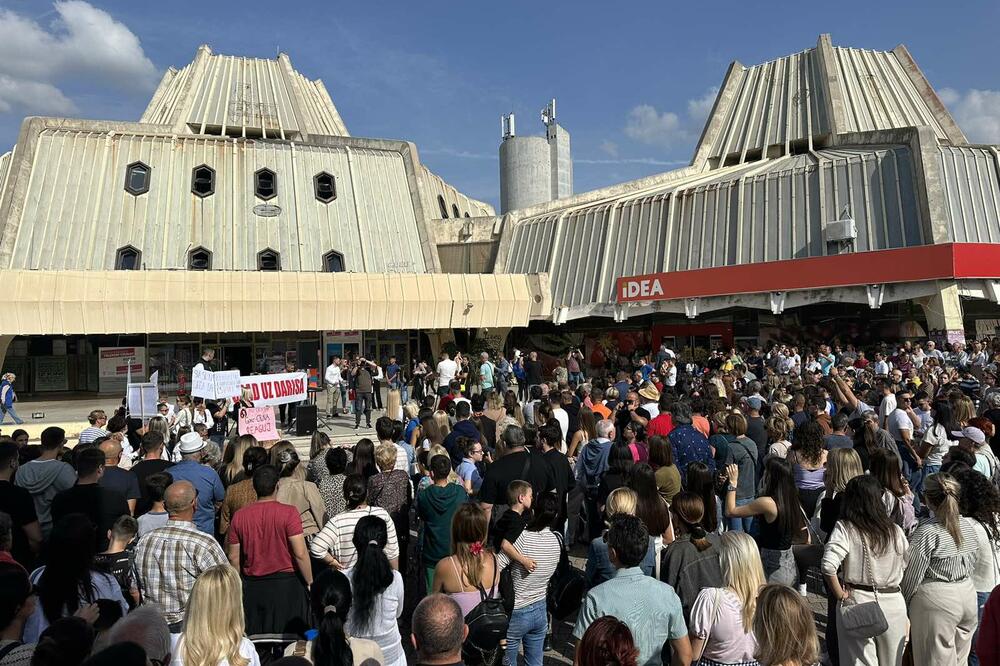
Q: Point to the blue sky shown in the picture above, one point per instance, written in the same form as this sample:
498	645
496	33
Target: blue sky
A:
633	80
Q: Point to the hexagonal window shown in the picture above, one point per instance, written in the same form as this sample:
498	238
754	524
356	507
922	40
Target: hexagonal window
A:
200	259
265	184
268	260
443	206
137	177
333	262
128	258
325	186
203	181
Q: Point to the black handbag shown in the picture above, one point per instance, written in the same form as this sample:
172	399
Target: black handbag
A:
487	624
867	619
566	587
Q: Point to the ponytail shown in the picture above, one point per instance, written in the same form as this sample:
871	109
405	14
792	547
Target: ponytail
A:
372	573
941	492
699	537
331	647
690	509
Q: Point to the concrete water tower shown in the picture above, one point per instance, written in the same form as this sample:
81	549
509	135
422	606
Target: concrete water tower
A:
534	169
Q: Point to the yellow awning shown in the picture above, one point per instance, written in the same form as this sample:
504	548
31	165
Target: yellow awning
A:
82	302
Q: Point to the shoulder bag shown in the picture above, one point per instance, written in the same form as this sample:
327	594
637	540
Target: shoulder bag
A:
866	620
487	624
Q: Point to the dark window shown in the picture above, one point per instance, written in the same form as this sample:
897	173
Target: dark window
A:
200	259
443	206
454	211
325	187
265	184
467	214
268	260
333	262
137	178
203	181
128	259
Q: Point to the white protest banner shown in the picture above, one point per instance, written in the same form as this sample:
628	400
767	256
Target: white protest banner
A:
141	399
259	422
227	384
275	389
202	383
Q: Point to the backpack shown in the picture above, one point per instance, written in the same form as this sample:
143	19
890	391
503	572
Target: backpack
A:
487	624
566	587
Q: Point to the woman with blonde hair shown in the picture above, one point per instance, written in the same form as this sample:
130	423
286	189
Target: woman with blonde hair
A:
722	617
394	405
777	436
424	462
784	628
213	623
842	465
962	411
443	423
937	583
231	470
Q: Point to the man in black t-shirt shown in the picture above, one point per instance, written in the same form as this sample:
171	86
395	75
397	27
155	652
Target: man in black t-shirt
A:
101	505
533	370
550	436
151	463
16	502
628	412
517	464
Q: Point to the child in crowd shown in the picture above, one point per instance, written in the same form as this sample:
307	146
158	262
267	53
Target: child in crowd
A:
117	559
156	486
514	521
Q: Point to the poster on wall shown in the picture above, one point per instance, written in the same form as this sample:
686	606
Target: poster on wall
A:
113	367
51	373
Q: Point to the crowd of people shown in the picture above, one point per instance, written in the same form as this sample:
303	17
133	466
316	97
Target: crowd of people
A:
709	499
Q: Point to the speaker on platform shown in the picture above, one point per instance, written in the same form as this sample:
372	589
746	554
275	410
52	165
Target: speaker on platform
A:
305	420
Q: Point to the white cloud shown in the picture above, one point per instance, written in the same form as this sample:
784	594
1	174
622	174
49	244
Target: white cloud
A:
977	112
81	44
30	95
668	129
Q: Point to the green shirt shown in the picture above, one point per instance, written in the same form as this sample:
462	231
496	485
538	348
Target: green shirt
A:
650	609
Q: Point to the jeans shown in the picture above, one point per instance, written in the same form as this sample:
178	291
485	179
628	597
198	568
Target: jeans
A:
981	598
4	411
363	403
527	625
925	471
576	378
911	472
741	524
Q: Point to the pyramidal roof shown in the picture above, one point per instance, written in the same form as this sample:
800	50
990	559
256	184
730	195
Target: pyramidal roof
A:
243	97
801	101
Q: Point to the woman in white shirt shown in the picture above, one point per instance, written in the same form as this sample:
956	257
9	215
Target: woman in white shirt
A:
979	500
334	544
213	623
869	550
378	591
722	617
936	441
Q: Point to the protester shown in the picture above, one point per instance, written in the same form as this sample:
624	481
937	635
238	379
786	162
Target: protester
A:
102	506
599	567
46	476
16	502
334	544
213	623
784	628
377	589
607	642
17	605
435	507
692	562
205	480
438	631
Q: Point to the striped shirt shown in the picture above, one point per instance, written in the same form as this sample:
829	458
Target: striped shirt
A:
169	559
336	537
544	548
933	555
88	435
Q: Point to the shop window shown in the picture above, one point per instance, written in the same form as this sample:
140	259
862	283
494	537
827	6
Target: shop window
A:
443	206
265	184
325	187
203	181
268	260
137	178
200	259
333	262
454	211
128	259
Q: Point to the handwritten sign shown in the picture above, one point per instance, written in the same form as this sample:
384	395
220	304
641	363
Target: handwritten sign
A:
259	422
215	385
277	389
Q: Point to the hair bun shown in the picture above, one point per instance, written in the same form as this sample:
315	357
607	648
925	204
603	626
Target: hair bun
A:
698	532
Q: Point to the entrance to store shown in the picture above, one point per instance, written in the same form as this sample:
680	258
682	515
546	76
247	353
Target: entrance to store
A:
237	357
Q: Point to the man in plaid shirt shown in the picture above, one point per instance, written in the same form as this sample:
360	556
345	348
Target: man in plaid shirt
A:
170	558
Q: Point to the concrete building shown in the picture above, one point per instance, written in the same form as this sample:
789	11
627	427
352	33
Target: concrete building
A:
238	213
833	176
534	169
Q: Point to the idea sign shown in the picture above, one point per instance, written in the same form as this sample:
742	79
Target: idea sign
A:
640	289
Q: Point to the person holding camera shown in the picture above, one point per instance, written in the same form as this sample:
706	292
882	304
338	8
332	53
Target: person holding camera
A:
363	374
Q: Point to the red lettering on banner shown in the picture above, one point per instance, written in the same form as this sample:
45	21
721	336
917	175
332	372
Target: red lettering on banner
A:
267	390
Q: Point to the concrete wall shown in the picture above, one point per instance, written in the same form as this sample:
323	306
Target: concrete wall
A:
525	172
562	162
